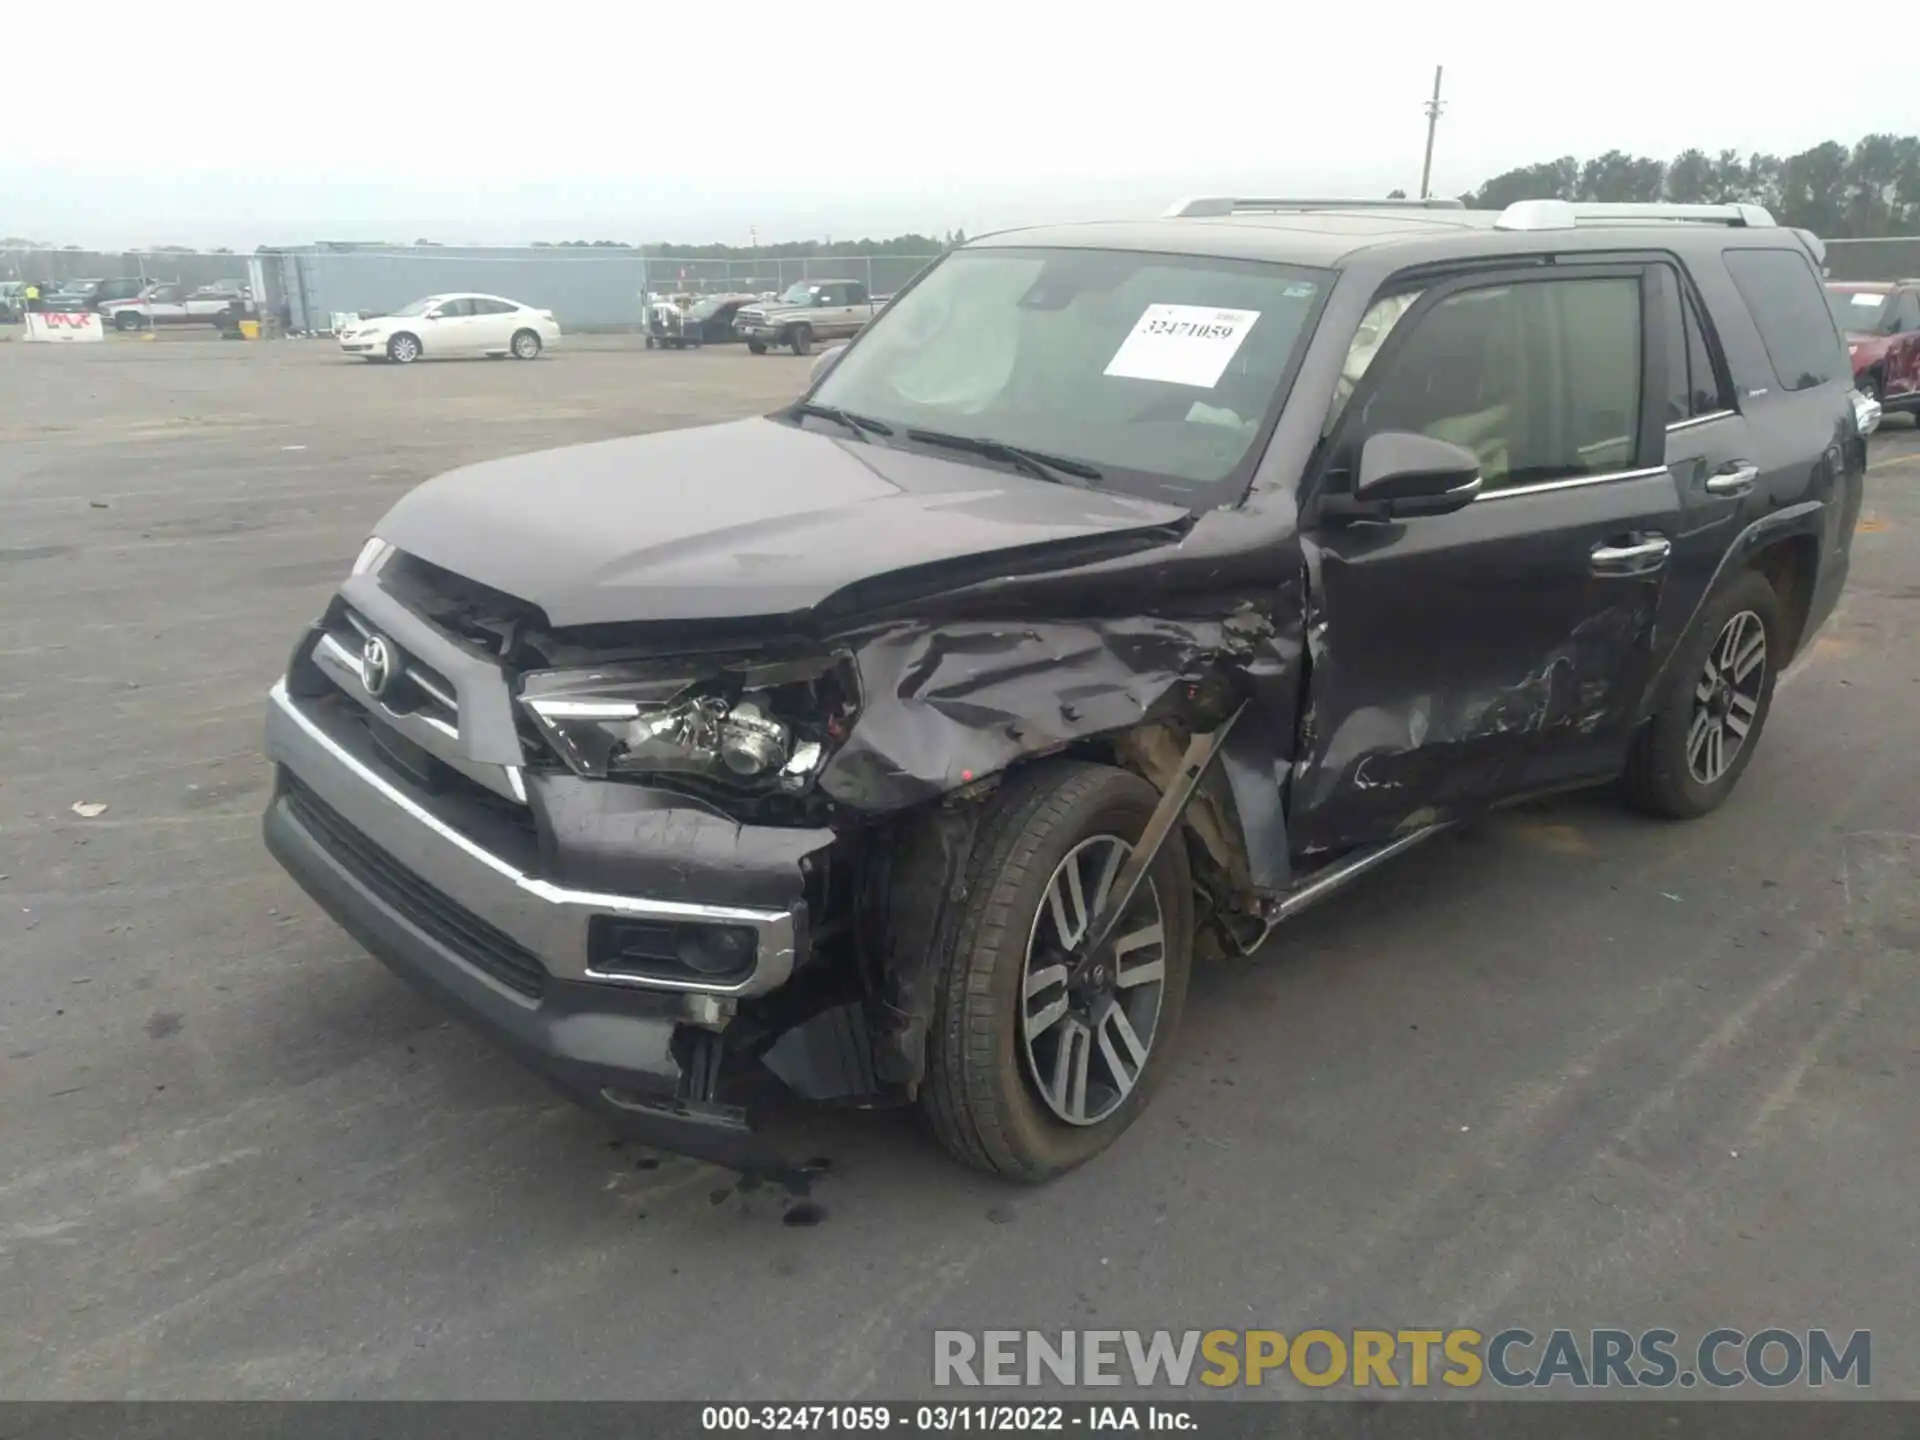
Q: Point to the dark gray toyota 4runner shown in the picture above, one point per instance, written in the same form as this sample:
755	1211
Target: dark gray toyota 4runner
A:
1123	589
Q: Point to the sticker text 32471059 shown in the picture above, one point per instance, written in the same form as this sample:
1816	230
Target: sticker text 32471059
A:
1182	344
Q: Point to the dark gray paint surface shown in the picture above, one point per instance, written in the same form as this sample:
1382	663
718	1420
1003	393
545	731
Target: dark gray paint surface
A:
1566	1068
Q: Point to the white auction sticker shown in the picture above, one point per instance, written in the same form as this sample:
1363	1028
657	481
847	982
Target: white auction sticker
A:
1870	298
1182	344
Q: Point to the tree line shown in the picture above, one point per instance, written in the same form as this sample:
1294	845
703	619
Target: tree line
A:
1839	192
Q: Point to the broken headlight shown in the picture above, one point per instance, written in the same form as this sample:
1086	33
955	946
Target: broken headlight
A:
754	726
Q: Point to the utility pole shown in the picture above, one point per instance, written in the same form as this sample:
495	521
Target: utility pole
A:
1433	122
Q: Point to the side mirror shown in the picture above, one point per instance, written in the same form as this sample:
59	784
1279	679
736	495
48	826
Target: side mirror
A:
828	359
1866	412
1403	475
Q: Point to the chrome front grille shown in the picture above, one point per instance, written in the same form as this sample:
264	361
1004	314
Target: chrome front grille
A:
400	690
416	688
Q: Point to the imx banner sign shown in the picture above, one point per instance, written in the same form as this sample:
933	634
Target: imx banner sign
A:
63	327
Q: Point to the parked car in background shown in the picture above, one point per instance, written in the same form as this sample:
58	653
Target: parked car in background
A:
165	304
806	312
444	326
1125	590
709	320
1881	320
13	301
90	294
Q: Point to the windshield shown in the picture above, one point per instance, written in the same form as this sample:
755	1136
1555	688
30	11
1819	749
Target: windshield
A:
1860	311
1160	370
418	307
796	294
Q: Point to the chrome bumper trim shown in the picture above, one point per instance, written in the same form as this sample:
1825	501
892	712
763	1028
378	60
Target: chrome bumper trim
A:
550	920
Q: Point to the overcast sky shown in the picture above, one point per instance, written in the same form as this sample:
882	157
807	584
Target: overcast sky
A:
248	124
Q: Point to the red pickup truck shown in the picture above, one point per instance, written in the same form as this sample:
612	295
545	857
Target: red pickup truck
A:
1881	320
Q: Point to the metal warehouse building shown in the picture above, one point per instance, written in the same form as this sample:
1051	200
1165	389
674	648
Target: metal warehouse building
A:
586	287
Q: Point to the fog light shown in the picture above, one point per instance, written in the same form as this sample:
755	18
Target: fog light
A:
714	950
645	950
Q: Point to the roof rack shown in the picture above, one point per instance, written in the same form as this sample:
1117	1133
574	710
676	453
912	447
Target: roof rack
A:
1213	205
1566	214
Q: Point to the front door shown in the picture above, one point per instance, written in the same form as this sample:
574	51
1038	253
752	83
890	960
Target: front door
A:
452	331
1460	660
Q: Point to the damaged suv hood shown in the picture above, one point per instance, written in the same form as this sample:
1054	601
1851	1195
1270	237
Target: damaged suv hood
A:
747	519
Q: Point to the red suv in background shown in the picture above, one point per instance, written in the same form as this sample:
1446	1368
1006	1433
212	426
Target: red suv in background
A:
1881	320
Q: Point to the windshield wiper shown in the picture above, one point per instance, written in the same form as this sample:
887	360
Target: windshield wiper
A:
861	425
1052	468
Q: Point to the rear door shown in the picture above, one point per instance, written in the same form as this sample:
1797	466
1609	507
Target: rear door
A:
494	322
1711	452
1461	660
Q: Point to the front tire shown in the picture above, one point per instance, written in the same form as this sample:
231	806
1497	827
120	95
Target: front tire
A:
758	347
801	339
1689	756
403	349
1035	1065
526	345
126	322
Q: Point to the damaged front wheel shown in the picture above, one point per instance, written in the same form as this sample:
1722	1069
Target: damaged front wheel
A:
1043	1051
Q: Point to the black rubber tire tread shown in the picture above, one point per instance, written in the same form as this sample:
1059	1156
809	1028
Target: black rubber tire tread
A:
1656	780
963	1097
513	345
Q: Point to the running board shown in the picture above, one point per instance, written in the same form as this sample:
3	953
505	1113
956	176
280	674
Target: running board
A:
1336	876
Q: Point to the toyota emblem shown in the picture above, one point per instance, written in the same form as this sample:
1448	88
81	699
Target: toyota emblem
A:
376	665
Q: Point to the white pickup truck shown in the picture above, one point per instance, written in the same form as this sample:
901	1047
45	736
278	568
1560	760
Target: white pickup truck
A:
807	311
168	304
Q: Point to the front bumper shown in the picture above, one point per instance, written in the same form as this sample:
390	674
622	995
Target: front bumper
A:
465	920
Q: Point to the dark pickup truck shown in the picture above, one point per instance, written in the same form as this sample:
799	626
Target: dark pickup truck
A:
1122	591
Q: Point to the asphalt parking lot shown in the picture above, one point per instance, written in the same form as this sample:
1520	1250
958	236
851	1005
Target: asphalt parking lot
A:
1566	1068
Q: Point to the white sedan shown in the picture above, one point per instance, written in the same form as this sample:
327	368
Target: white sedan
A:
444	325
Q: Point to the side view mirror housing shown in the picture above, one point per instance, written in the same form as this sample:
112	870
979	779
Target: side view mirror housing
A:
826	361
1866	412
1403	475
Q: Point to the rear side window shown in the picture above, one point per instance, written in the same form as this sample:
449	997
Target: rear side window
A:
1694	384
1540	379
1790	310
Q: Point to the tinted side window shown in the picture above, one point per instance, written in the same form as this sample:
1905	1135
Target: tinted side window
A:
1790	310
491	307
1694	386
449	309
1541	380
1906	312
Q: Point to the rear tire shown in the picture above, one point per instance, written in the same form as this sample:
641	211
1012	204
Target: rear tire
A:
1686	760
526	345
1005	1014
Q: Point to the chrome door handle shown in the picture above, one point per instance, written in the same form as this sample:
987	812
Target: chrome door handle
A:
1737	481
1642	557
